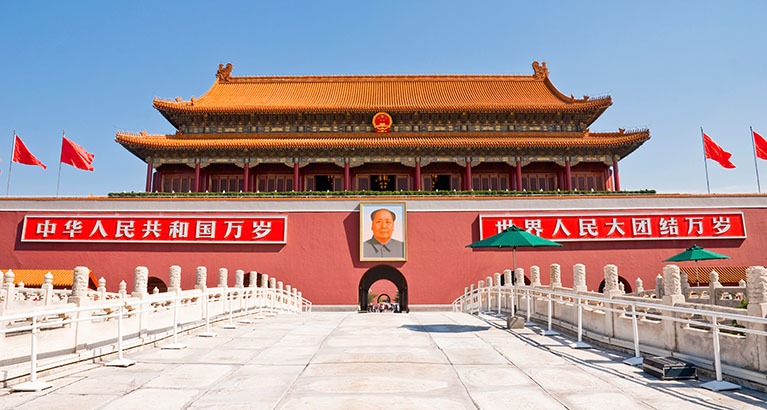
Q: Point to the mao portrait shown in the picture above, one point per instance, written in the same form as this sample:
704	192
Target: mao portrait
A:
382	232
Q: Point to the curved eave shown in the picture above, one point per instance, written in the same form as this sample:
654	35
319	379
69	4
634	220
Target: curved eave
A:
393	93
171	107
143	146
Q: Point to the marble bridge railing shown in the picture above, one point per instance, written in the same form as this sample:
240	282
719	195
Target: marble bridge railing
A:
730	342
41	329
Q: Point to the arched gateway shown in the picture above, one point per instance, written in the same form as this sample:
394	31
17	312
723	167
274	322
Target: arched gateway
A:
377	273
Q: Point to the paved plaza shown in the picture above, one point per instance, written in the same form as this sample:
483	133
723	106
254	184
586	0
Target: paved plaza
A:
344	360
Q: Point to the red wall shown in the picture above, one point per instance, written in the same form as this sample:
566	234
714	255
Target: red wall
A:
321	257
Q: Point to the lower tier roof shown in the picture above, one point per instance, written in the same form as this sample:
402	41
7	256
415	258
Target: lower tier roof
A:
238	145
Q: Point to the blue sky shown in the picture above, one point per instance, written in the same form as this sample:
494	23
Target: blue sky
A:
92	68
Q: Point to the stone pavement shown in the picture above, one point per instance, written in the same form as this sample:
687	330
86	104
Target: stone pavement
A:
340	360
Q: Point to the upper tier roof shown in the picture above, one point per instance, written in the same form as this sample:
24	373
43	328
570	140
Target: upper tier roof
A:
395	93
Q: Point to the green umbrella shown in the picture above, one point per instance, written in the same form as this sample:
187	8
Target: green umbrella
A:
513	237
696	253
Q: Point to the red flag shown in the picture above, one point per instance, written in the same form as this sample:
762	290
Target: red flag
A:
761	146
75	155
715	152
22	155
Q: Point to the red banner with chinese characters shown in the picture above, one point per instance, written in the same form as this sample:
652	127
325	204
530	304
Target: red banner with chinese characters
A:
617	227
240	229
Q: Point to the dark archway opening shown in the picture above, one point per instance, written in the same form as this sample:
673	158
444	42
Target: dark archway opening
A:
155	282
384	272
626	285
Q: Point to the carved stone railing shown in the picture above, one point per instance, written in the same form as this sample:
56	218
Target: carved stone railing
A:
93	324
725	340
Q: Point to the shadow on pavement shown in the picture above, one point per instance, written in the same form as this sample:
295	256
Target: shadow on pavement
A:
445	328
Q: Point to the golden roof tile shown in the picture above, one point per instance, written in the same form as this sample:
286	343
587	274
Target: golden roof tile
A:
729	275
395	93
62	278
389	140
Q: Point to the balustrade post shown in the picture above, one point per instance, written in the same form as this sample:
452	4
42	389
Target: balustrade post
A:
480	293
497	282
579	277
140	282
9	288
488	291
555	276
79	293
33	384
140	291
175	345
756	294
262	294
610	290
659	292
201	284
174	279
519	276
713	285
519	280
250	294
580	344
549	331
123	289
637	360
239	284
230	324
718	384
121	361
102	289
508	281
672	288
47	289
465	299
300	297
272	293
223	274
289	297
535	276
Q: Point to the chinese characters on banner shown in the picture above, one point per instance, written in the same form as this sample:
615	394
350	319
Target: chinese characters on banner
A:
612	227
147	228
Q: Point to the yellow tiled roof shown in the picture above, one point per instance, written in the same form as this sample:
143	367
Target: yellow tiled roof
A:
389	140
727	274
395	93
35	277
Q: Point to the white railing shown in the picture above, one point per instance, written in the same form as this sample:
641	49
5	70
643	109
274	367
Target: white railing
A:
66	333
693	332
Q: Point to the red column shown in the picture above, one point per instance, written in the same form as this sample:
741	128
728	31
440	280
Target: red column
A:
246	178
417	184
149	170
468	184
568	177
616	175
296	176
518	171
197	184
157	181
347	177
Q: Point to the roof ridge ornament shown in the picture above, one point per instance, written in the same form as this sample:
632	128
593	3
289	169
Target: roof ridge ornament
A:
224	73
540	71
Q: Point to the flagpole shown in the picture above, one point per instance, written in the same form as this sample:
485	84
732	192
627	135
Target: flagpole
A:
705	163
756	166
13	149
58	180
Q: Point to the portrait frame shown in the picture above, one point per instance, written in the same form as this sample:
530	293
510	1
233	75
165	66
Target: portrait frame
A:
371	249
